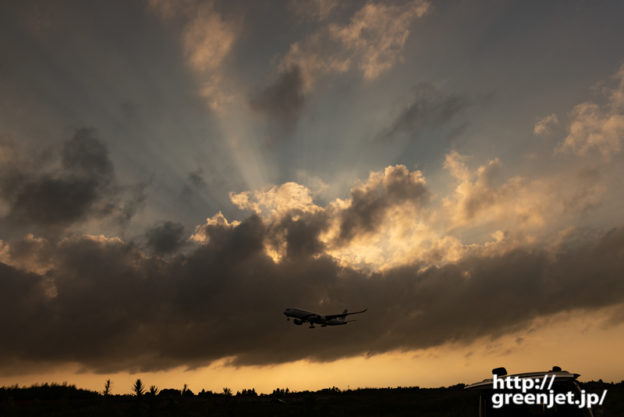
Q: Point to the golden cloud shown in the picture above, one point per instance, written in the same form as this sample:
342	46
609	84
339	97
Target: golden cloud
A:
372	42
598	127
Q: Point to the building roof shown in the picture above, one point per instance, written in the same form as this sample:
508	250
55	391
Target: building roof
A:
559	376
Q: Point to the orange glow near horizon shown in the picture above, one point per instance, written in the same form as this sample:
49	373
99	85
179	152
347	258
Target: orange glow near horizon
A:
579	342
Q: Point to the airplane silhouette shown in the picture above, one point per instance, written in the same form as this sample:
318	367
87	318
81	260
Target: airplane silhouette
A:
302	316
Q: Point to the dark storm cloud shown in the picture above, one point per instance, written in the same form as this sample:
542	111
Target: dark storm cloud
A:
21	292
165	238
108	306
62	196
300	232
282	101
429	108
41	197
370	202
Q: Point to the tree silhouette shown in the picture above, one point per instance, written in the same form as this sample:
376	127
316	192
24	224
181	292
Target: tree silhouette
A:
138	388
277	392
227	391
247	393
186	392
107	388
153	390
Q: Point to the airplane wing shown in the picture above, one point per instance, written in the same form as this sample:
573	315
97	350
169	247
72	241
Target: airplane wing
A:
344	314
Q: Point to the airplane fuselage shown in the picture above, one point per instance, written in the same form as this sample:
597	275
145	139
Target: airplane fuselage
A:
302	316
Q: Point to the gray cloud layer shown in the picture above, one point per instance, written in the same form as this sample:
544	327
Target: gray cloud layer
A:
62	196
282	101
429	108
109	306
369	203
46	196
166	237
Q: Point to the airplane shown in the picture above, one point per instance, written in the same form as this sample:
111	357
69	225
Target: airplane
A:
302	316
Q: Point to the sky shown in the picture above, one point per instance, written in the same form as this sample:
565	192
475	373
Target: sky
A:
174	174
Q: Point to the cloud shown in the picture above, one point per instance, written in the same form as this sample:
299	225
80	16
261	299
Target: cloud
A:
545	125
429	108
376	34
390	246
207	39
63	196
394	219
170	9
370	42
22	301
491	212
165	238
212	225
475	191
370	201
347	229
485	196
317	9
196	178
283	100
294	220
195	183
54	195
384	247
489	256
598	127
136	312
85	155
276	201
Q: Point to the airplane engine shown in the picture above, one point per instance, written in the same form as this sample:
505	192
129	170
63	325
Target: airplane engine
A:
298	322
